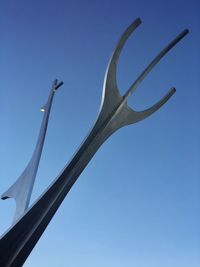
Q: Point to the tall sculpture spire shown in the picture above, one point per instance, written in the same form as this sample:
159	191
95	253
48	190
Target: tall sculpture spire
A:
17	243
21	190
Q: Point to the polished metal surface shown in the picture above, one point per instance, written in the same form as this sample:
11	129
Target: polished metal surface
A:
21	190
17	243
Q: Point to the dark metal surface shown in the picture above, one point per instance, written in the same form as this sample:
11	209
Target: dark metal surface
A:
17	243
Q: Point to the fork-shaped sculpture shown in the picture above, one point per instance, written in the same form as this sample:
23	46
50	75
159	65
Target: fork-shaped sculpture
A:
17	243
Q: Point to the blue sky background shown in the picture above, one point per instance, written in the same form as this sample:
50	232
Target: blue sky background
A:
137	203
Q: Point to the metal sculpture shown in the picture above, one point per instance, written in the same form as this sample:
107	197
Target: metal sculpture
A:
17	243
21	190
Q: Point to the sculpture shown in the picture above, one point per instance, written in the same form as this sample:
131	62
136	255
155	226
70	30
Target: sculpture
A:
17	243
21	190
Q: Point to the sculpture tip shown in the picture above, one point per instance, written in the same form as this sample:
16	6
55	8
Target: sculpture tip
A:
173	90
184	33
58	85
187	30
138	20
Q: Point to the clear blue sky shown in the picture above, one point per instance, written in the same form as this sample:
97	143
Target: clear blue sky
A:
137	202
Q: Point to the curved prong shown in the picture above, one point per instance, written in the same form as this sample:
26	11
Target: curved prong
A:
110	76
154	62
141	115
128	116
110	95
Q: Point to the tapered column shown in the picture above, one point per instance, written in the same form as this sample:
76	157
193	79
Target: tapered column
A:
21	190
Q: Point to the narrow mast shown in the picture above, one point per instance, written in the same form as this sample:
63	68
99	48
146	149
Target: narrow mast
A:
21	190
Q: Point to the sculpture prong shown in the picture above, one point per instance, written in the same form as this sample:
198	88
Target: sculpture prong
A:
110	76
110	95
135	116
155	62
